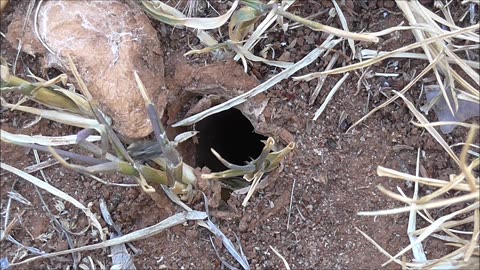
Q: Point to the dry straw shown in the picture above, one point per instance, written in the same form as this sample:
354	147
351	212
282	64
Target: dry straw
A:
459	221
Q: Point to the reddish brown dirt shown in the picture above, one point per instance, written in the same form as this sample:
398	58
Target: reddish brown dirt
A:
333	173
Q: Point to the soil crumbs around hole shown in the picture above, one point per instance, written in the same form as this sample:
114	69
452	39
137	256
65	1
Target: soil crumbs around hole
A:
334	173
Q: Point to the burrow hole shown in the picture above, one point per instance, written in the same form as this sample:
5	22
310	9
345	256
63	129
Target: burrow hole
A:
232	135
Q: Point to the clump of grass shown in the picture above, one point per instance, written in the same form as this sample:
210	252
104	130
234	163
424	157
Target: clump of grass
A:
462	234
252	172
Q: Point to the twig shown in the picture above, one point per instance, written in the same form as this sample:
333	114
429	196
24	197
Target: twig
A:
329	96
322	79
287	266
174	220
312	56
290	207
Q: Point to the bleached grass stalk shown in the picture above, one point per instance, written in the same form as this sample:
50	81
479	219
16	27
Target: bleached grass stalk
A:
430	129
285	74
262	27
239	256
403	91
375	60
55	191
203	36
43	140
330	96
57	116
432	227
386	172
443	123
430	51
465	181
315	26
343	21
165	14
322	79
243	53
417	249
285	263
384	252
446	76
368	54
177	219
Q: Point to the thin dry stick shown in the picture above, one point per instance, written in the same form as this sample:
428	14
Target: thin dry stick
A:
418	251
176	219
463	160
344	23
262	27
431	130
387	55
431	228
405	89
53	190
431	205
322	79
330	96
312	56
382	171
315	26
418	265
290	207
287	266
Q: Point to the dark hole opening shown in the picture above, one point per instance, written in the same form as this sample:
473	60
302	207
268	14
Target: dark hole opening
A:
232	135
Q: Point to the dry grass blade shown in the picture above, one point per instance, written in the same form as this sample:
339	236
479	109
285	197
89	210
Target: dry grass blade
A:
174	220
430	49
42	140
158	11
240	257
430	205
53	190
344	23
405	89
419	265
381	171
472	182
315	26
250	56
433	227
203	36
415	13
473	245
57	116
330	96
262	27
443	123
287	266
329	43
368	54
375	60
430	129
417	249
462	257
3	5
322	79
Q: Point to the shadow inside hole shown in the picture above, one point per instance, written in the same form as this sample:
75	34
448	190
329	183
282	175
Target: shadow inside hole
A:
232	135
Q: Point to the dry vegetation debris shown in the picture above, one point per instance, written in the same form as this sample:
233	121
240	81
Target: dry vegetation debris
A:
95	50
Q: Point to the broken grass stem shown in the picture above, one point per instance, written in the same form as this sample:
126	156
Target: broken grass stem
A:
312	56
